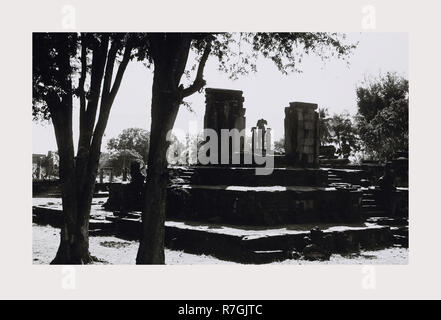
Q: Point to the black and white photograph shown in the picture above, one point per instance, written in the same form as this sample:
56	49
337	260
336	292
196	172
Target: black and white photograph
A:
212	148
220	160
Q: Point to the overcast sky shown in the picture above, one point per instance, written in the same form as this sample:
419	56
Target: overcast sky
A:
330	84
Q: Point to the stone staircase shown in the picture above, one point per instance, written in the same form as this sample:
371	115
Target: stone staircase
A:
399	228
187	174
370	206
333	178
374	212
182	175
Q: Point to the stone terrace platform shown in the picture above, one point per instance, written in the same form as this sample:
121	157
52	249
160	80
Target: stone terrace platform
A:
246	176
263	205
237	195
243	244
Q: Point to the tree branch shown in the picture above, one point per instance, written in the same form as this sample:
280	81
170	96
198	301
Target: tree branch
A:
108	73
98	65
122	68
199	81
107	100
81	92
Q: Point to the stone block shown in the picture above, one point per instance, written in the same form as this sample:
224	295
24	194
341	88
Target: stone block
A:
309	116
308	124
308	149
309	142
303	105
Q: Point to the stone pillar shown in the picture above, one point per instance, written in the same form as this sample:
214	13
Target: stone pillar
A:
224	110
302	139
261	134
268	140
124	177
101	175
253	136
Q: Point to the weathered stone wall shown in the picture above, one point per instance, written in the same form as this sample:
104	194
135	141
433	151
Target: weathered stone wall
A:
224	110
302	139
247	177
254	206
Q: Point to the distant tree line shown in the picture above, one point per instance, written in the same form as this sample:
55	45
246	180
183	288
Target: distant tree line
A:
130	145
45	166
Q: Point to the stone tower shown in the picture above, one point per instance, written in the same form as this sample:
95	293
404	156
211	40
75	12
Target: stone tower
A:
302	139
224	110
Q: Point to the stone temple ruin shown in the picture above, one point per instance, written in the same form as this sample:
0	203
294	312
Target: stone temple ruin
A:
295	192
226	210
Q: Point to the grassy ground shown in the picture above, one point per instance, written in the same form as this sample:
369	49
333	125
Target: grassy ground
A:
116	251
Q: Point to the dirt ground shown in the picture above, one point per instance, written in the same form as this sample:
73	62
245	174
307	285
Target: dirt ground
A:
112	250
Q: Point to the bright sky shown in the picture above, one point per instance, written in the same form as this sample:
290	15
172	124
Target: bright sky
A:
330	84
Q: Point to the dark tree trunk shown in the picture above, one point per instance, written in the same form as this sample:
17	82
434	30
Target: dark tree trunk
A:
71	250
78	184
170	53
74	243
164	112
68	251
74	240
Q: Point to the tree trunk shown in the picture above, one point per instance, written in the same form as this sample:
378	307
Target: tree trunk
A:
74	243
77	179
73	247
67	245
164	112
170	53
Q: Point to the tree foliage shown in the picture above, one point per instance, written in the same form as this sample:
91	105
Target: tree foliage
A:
237	53
324	126
339	130
51	77
383	115
121	160
279	146
344	134
50	165
136	140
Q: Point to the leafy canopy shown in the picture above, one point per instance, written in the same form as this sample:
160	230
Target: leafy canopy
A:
344	134
383	116
131	139
50	77
237	53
